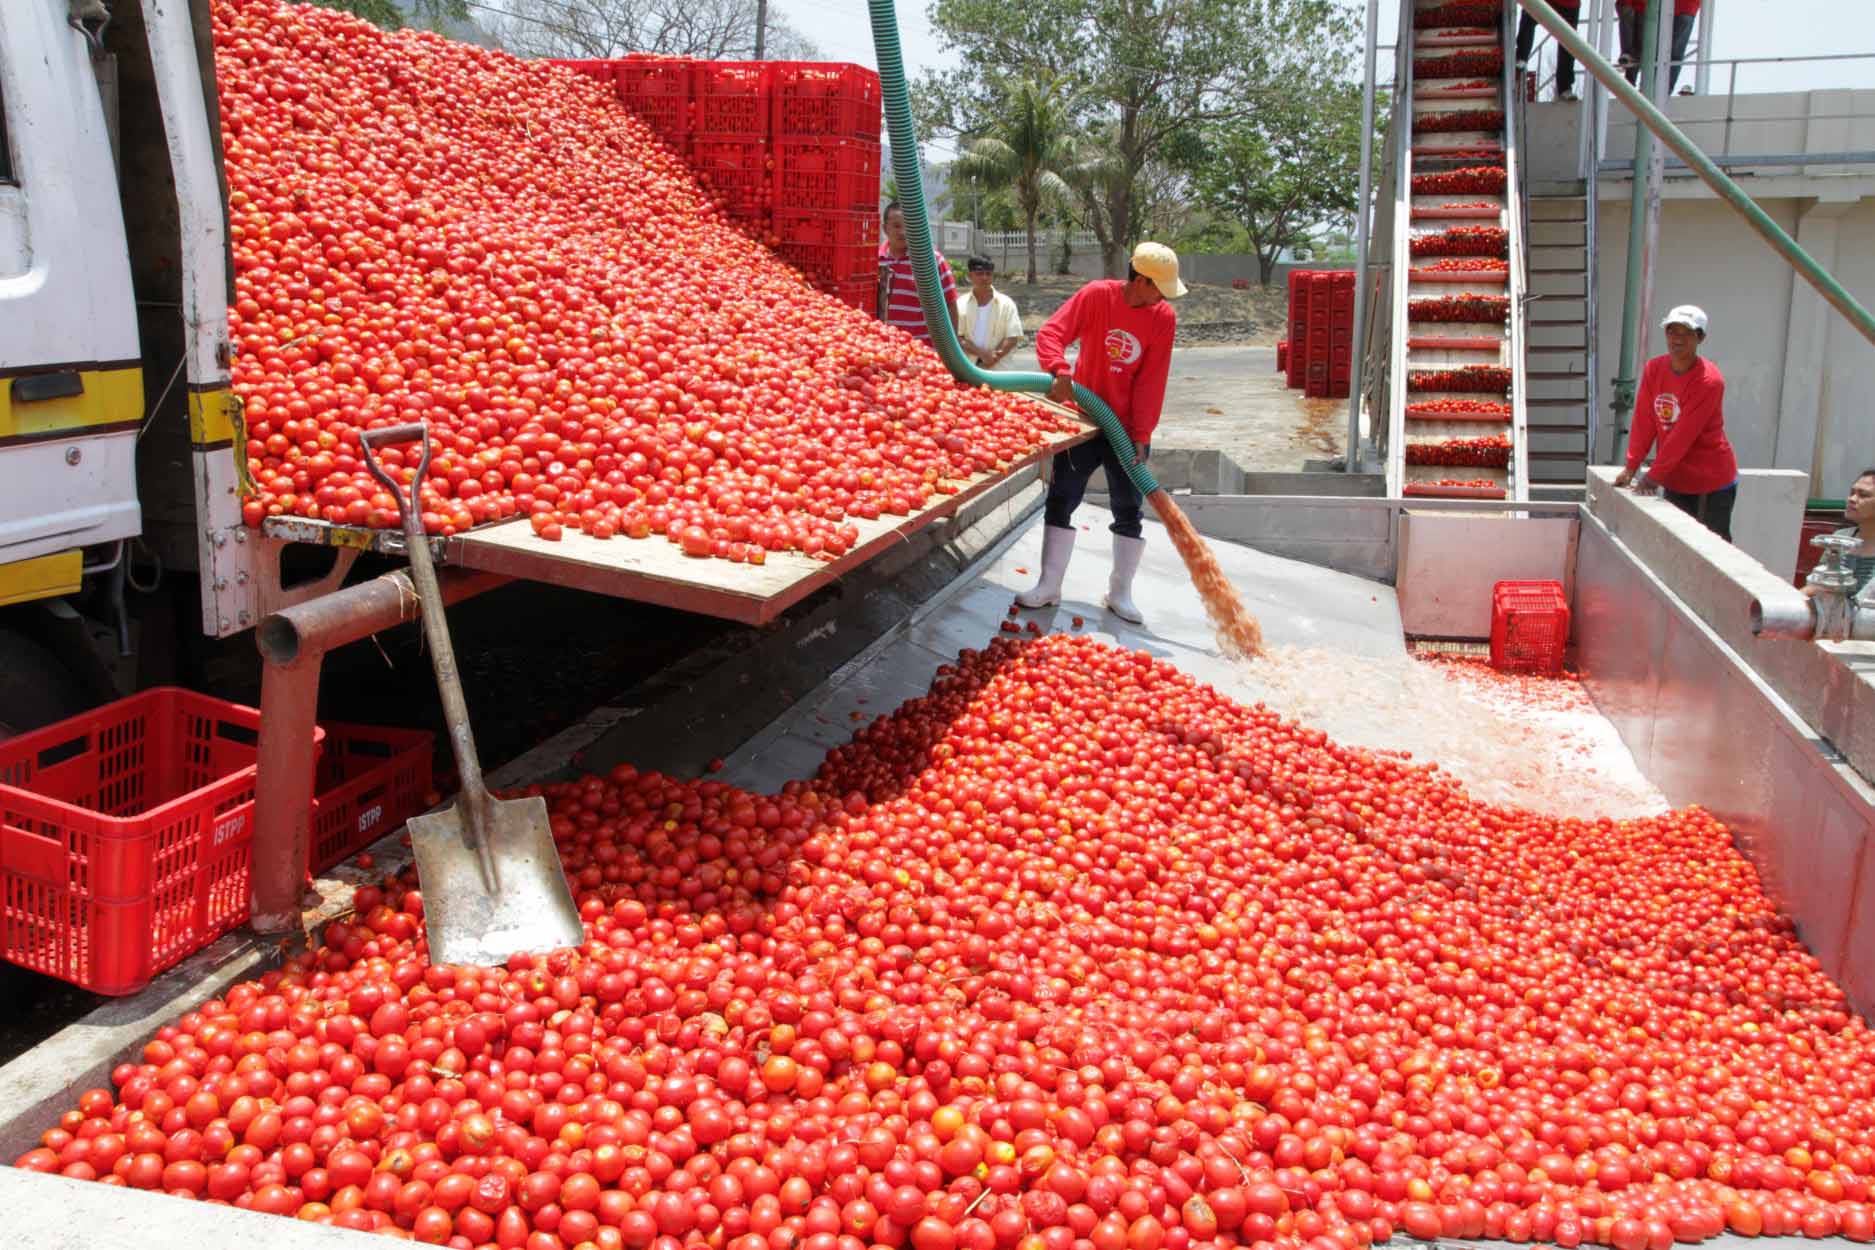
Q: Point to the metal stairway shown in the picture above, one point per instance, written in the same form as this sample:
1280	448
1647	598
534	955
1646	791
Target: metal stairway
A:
1557	344
1456	392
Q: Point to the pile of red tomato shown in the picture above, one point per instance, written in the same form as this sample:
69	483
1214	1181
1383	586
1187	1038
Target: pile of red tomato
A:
1459	119
1448	308
425	230
1072	953
1459	64
1479	379
1491	452
1471	180
1483	14
1463	241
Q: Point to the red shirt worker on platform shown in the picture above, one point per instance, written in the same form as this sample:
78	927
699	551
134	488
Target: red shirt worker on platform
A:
1125	334
1681	407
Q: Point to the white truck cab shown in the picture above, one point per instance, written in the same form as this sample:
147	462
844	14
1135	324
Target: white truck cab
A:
121	445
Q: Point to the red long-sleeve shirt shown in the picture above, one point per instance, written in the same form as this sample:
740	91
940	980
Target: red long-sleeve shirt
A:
1685	412
1126	352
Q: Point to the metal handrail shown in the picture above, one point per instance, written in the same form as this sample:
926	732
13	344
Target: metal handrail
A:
1517	218
1402	237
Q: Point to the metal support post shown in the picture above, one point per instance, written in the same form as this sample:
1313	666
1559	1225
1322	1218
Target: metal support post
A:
1362	212
1633	332
293	645
1702	78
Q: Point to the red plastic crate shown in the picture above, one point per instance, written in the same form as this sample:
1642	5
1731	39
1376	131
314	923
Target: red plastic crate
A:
830	265
827	175
602	70
828	229
861	293
1299	326
124	836
731	99
667	116
1529	627
650	76
1282	356
812	100
737	169
370	781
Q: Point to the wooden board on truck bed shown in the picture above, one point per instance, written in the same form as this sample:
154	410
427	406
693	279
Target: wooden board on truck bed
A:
656	570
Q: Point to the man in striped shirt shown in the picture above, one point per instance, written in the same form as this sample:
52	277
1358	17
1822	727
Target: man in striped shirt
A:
898	288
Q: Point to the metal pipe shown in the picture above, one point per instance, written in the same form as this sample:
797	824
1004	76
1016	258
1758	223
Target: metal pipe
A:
293	643
1632	332
1656	175
1657	123
1361	211
1789	616
1768	159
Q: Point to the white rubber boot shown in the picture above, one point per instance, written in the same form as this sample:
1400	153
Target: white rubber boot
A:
1057	546
1127	553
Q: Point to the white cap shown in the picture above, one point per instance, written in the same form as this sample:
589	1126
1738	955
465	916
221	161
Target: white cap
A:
1691	316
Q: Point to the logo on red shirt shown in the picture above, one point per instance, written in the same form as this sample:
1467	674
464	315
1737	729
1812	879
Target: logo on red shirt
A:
1122	349
1666	410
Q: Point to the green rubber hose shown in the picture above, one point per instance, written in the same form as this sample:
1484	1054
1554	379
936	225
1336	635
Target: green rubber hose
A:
938	317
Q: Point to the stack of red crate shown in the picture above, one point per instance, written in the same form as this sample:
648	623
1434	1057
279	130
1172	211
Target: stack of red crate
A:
1298	327
729	139
1341	335
789	148
657	89
1318	355
826	120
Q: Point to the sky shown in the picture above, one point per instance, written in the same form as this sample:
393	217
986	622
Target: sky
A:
1742	28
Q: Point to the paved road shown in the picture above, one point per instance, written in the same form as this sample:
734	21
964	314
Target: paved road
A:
1232	399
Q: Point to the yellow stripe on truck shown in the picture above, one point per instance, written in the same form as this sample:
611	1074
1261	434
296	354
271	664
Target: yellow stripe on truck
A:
216	424
41	578
110	396
215	418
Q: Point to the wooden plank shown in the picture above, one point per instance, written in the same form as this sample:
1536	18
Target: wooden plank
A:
657	571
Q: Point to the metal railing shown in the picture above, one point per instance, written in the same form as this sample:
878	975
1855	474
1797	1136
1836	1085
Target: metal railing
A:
1399	266
1717	135
1517	217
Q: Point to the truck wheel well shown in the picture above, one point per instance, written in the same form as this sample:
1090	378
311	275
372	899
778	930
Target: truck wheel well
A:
36	687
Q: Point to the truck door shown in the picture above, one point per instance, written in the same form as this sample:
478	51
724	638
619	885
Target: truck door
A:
71	388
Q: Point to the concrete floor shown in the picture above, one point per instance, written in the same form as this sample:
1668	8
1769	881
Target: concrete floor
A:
1231	399
1298	605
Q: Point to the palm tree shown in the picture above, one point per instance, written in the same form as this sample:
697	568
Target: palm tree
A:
1024	147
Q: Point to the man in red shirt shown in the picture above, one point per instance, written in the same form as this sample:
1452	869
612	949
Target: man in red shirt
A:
1681	405
1125	334
898	286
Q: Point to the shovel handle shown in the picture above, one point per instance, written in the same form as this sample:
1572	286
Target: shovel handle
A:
436	632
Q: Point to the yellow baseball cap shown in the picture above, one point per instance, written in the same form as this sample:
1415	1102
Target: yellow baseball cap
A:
1160	263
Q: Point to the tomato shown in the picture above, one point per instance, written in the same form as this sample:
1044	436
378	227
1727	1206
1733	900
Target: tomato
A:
591	340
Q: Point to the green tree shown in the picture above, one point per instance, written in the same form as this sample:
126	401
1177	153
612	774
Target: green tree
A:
1147	74
1287	172
1024	147
395	13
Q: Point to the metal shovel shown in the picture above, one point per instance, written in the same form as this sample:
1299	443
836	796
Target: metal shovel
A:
492	881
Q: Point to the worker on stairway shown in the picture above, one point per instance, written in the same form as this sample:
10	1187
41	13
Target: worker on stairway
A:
1125	331
1565	63
1681	407
1629	15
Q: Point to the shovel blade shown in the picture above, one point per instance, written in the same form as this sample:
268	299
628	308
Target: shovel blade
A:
531	910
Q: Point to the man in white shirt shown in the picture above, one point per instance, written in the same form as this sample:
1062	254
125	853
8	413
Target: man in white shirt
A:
992	326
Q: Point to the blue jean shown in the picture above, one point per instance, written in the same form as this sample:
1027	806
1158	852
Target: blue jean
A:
1630	26
1068	486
